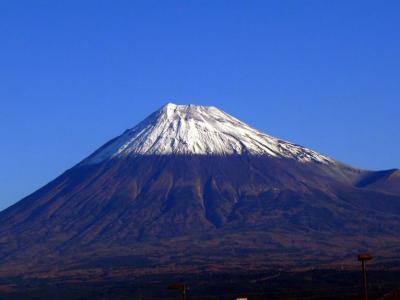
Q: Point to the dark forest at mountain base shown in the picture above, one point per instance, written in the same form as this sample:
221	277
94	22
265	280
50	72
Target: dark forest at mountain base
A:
316	284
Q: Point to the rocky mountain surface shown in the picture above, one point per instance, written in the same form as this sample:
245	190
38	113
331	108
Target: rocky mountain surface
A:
191	188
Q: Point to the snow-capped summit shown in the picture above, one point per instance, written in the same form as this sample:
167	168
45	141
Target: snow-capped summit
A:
198	130
225	185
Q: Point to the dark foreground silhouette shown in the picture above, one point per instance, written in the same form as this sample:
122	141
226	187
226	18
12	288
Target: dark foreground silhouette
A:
317	284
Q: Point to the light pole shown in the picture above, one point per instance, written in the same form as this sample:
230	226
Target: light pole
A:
363	257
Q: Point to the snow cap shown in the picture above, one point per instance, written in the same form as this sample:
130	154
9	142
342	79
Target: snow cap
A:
198	130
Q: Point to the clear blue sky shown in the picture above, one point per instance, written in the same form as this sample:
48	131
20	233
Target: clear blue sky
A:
73	74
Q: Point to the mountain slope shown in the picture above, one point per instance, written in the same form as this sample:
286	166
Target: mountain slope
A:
387	181
168	193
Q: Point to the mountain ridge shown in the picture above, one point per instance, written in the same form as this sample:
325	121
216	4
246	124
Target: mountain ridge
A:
200	212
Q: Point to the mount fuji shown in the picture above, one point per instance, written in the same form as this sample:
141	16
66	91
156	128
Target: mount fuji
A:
193	189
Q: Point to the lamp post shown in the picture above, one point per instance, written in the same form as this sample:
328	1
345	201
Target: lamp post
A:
363	257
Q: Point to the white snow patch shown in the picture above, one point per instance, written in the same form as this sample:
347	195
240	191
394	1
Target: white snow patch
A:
198	130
